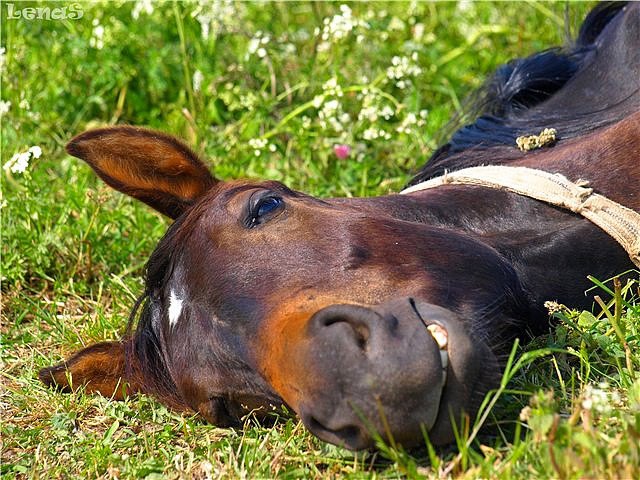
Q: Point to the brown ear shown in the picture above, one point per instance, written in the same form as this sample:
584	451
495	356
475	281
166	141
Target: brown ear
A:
98	368
151	166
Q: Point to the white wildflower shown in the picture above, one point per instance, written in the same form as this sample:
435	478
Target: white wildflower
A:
35	151
387	112
258	145
303	35
369	113
418	31
370	110
24	104
402	68
5	106
145	6
97	35
338	27
20	161
249	101
411	121
254	44
219	16
330	107
599	399
370	133
198	77
257	45
396	24
407	124
330	84
331	87
373	133
323	47
332	116
317	101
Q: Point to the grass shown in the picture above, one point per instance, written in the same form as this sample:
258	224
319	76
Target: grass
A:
264	95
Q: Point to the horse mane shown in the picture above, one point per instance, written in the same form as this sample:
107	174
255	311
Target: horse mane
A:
511	103
146	357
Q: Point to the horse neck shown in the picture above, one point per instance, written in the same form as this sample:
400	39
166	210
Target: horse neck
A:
609	159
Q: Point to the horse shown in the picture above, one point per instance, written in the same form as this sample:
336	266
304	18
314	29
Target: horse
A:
389	315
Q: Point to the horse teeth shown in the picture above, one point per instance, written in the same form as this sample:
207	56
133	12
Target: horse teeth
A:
444	359
440	335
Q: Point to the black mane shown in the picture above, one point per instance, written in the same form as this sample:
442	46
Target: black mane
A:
146	346
520	98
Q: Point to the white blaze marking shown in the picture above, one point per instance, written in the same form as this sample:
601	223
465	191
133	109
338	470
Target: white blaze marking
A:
175	308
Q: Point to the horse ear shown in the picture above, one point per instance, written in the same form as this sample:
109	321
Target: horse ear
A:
98	368
151	166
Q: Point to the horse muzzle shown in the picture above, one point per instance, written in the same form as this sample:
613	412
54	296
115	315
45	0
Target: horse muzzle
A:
395	371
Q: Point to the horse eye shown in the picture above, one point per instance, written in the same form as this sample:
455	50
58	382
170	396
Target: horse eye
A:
262	208
267	205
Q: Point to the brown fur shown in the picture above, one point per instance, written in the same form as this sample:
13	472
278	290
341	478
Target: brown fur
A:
98	369
119	156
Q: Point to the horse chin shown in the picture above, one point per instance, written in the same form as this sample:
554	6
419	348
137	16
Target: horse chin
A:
393	372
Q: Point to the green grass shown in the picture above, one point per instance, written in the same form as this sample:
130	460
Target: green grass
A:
73	251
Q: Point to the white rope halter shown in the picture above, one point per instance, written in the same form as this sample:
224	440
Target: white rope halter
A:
620	222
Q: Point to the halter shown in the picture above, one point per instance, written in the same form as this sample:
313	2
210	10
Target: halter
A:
618	221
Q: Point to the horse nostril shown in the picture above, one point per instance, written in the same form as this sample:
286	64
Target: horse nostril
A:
357	321
362	335
360	331
348	436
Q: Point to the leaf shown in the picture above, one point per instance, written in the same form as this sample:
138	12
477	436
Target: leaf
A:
586	319
107	437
